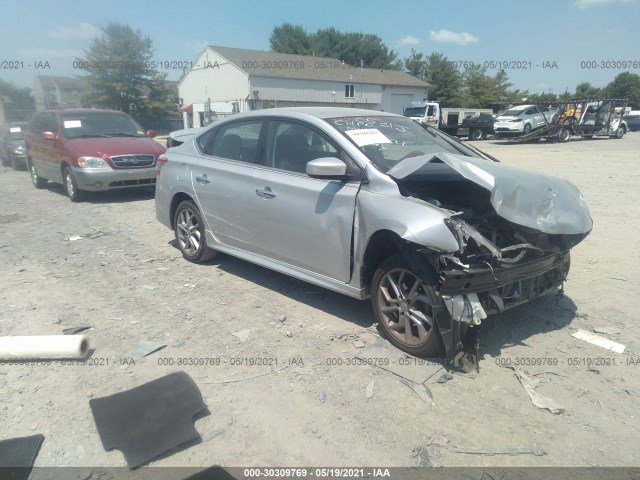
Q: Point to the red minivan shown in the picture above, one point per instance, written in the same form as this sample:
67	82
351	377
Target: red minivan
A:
90	150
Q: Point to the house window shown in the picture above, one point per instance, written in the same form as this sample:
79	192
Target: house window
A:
349	91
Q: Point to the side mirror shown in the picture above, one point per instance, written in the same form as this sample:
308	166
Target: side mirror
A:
151	133
327	167
48	135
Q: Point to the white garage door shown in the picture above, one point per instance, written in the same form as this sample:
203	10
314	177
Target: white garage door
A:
399	101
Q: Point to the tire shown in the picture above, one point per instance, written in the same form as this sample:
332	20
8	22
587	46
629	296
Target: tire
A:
189	232
36	179
527	129
399	296
619	133
563	135
476	134
71	187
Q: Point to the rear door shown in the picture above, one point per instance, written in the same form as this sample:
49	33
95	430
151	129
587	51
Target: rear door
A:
222	180
298	220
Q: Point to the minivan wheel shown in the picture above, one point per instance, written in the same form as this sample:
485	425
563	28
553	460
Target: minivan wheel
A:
70	186
37	180
402	302
189	230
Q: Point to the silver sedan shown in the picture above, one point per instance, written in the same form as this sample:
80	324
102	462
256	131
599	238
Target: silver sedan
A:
374	205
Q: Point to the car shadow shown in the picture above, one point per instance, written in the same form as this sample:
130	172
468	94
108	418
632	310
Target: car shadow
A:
347	308
514	327
110	196
498	332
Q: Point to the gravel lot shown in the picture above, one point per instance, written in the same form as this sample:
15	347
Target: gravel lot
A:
126	279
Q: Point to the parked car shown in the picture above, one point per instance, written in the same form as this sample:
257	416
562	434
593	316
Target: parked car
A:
523	119
90	150
632	121
12	145
371	204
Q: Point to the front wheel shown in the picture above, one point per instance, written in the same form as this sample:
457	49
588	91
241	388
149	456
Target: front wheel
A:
527	129
71	187
36	179
619	133
402	302
189	230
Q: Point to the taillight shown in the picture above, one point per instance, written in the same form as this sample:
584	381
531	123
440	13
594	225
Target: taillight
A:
160	163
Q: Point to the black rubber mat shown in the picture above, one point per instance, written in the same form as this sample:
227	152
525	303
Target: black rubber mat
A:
148	420
17	456
212	473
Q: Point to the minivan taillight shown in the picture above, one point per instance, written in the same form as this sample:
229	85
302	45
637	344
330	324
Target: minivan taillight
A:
160	163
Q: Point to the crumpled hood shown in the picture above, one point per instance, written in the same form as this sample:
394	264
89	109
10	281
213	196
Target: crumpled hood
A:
542	202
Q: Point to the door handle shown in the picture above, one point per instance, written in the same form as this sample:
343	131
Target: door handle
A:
266	192
202	179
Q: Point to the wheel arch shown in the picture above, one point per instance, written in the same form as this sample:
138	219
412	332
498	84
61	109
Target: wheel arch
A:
177	199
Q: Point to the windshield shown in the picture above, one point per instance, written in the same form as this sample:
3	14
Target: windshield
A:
418	111
514	112
100	124
16	133
388	140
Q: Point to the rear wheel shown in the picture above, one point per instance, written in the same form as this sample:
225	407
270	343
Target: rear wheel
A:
402	301
476	134
563	135
37	180
189	231
71	187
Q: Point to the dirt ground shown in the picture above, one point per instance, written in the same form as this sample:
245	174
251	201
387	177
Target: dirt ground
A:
313	404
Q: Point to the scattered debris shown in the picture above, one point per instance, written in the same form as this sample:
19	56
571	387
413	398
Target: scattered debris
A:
369	391
359	344
598	341
282	318
439	439
324	395
421	390
75	330
242	335
145	348
54	347
418	370
234	380
529	384
445	377
421	458
74	238
288	333
607	330
499	451
148	287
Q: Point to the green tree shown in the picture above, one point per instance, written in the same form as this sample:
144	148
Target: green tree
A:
15	98
625	85
479	88
586	90
355	49
415	64
289	38
446	80
120	70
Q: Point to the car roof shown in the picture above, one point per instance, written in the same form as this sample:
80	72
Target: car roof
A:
82	110
318	112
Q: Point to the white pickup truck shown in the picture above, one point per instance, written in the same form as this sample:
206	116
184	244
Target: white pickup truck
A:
475	123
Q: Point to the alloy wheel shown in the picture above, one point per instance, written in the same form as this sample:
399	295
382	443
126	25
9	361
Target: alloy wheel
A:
188	231
404	304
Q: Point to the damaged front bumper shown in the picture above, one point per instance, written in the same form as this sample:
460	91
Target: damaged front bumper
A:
470	294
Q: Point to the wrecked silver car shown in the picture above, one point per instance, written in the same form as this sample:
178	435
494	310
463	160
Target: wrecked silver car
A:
373	205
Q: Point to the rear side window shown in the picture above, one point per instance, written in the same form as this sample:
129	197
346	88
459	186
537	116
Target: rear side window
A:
236	141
